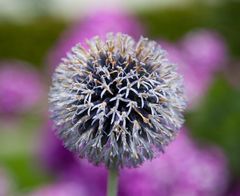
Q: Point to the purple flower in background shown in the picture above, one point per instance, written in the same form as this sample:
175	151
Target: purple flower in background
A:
199	55
93	177
99	23
194	82
184	169
54	157
206	49
61	189
5	184
235	191
20	87
63	164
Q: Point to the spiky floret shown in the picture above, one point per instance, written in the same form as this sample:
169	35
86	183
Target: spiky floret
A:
117	103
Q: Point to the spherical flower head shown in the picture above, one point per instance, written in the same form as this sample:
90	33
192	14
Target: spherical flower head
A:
118	103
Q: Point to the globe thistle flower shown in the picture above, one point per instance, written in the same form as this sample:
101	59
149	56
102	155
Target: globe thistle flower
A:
118	103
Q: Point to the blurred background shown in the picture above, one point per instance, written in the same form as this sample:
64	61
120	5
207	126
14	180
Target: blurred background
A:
201	36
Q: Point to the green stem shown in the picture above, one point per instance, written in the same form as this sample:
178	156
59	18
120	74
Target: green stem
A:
112	182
